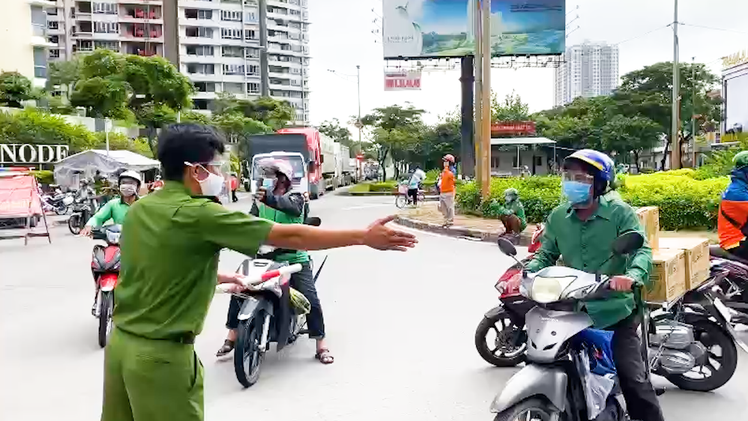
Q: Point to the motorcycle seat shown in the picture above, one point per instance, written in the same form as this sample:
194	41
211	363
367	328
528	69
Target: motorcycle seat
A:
717	251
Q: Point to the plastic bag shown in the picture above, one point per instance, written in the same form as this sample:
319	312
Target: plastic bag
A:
596	387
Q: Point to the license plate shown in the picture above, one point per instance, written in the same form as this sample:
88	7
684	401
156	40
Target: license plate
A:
723	310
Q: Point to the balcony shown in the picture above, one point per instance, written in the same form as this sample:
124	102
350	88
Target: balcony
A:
42	3
139	32
143	2
140	14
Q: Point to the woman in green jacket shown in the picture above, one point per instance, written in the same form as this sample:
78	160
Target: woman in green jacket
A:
276	202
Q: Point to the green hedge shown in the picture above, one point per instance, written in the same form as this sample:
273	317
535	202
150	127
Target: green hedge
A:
684	201
44	176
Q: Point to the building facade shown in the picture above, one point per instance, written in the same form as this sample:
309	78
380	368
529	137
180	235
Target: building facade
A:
587	70
247	48
25	44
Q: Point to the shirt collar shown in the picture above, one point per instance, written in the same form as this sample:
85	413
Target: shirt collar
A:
604	210
176	187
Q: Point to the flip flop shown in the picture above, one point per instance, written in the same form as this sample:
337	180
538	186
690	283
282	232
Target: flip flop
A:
227	347
324	356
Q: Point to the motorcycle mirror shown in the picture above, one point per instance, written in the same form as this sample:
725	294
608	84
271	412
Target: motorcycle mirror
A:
627	243
314	221
507	247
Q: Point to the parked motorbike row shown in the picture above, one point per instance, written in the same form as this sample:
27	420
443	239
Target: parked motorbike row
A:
691	342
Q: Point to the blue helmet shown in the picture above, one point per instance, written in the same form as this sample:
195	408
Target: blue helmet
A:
605	175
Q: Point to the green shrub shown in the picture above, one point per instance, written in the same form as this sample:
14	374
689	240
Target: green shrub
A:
685	202
387	186
44	176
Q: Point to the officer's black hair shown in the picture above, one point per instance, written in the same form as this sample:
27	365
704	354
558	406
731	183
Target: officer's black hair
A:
601	186
187	142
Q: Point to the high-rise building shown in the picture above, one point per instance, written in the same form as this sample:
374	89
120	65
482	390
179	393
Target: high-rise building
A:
248	48
23	35
587	70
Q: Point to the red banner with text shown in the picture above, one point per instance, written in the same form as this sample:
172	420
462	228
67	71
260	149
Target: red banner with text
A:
18	196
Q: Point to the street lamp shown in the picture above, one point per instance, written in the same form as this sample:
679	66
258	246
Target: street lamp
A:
358	124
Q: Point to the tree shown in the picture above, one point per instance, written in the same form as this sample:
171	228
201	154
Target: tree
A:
395	128
625	135
270	111
102	97
648	92
438	140
337	132
64	74
194	117
510	109
154	116
34	127
15	89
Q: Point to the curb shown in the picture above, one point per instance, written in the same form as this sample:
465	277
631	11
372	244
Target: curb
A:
460	232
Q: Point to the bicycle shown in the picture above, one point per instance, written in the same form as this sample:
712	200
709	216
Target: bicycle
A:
403	199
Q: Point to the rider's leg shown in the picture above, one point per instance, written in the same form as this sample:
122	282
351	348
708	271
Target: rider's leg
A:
413	193
232	322
304	283
640	396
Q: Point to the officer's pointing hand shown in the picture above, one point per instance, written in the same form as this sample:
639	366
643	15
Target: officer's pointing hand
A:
379	236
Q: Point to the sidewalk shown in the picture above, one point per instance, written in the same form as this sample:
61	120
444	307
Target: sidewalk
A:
427	217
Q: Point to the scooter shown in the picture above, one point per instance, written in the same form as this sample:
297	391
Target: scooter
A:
734	286
59	203
500	337
267	314
105	264
84	206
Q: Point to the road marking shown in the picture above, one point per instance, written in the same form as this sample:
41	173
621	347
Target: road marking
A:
373	205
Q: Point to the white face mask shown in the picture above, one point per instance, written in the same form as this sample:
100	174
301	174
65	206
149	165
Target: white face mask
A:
127	190
212	186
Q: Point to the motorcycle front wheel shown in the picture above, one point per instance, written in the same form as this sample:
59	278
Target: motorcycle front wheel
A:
401	201
532	409
74	224
499	341
106	305
718	365
61	210
247	353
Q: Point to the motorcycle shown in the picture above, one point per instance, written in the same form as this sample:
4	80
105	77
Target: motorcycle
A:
59	203
734	286
507	320
105	264
84	206
267	314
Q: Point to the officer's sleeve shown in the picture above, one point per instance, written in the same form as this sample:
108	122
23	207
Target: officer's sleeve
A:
549	253
103	215
233	230
640	264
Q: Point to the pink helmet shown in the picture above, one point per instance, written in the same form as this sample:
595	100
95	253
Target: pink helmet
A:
449	157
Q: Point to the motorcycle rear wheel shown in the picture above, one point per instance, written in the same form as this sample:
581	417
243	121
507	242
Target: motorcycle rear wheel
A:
710	335
247	353
106	305
74	224
508	359
532	409
401	201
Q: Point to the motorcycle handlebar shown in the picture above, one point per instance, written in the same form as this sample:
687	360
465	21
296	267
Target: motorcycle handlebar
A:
256	280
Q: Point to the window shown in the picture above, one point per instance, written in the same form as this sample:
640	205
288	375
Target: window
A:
230	51
538	161
200	104
231	33
250	34
253	88
253	69
201	69
54	39
251	16
40	63
198	32
233	69
231	15
38	21
53	24
54	53
205	86
107	45
200	50
105	8
252	53
106	27
198	14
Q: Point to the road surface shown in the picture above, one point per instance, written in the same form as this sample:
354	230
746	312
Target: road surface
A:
399	324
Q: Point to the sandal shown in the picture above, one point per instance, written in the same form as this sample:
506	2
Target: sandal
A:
324	356
227	347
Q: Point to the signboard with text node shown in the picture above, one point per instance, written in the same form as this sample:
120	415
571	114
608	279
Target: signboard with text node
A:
14	153
414	29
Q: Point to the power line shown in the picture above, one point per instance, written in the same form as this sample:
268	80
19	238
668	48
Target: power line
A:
644	34
714	29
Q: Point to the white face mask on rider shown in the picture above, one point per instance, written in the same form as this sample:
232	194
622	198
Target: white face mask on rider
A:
212	185
127	190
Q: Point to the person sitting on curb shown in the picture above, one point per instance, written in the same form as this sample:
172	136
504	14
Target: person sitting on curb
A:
512	214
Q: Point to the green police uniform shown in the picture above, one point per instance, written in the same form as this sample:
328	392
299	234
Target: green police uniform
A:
170	247
585	245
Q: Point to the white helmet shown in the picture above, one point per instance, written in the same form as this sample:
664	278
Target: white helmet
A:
130	174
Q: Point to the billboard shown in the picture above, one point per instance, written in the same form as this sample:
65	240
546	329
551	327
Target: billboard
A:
402	81
415	29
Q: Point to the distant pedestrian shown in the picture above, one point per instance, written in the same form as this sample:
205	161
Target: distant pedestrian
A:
447	191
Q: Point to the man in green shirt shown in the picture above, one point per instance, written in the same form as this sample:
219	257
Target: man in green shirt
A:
512	214
582	231
128	183
170	246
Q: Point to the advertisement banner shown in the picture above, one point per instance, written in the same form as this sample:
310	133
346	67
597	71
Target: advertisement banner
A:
402	81
17	194
415	29
526	128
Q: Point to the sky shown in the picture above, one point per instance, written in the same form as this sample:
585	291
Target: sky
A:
342	38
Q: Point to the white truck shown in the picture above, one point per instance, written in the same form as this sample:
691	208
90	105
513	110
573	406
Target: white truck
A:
344	172
328	162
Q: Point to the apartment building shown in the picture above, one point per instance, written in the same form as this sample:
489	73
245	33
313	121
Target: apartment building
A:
588	69
247	48
23	31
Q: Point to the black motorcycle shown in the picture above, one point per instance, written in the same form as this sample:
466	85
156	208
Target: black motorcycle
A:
734	286
84	206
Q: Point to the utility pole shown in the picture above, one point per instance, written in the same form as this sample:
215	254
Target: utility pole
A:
675	162
693	113
486	101
478	93
358	123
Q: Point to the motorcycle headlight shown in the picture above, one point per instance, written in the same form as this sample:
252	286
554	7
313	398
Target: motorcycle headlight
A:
548	290
112	237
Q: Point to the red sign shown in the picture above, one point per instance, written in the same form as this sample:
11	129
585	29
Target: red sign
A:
18	196
513	127
360	157
402	81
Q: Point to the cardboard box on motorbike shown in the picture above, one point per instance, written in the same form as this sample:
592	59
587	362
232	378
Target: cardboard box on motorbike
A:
668	276
649	217
697	258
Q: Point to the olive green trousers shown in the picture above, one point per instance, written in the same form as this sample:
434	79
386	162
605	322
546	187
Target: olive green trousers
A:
151	380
